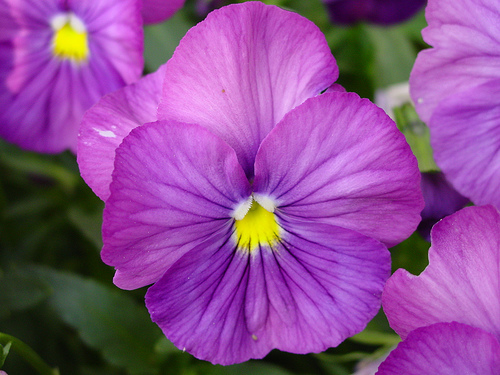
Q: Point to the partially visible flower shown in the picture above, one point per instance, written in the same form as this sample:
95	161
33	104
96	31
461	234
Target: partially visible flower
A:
441	200
445	349
460	285
57	59
154	11
382	12
260	209
455	86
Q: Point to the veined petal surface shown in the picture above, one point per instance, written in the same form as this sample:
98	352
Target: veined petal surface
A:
174	185
319	285
465	35
154	11
42	96
240	70
445	349
339	159
461	282
465	137
109	121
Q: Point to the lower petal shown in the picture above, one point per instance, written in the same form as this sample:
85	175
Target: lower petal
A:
319	285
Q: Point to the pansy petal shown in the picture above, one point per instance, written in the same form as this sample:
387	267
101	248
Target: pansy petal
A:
173	185
109	121
466	39
154	11
465	134
461	282
444	349
340	159
319	285
240	70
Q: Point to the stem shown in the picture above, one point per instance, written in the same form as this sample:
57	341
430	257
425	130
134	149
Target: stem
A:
28	354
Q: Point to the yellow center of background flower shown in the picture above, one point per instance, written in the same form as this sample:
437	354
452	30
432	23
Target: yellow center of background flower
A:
257	228
70	42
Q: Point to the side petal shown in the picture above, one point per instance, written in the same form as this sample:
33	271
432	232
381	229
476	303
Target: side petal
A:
109	121
465	137
444	349
466	41
240	70
173	186
318	286
461	282
154	11
340	159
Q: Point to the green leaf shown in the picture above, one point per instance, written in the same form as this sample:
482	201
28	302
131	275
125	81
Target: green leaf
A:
417	135
106	318
4	352
21	290
370	337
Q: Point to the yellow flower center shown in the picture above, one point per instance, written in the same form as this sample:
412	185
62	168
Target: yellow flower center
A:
257	228
70	40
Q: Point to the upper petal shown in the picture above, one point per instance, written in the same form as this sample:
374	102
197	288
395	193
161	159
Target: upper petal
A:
173	186
154	11
340	159
465	137
461	282
239	71
319	285
465	35
444	349
109	121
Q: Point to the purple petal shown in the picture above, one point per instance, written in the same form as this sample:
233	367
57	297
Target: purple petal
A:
440	200
318	286
42	97
445	349
466	42
238	72
340	159
383	12
173	186
109	121
465	134
461	282
154	11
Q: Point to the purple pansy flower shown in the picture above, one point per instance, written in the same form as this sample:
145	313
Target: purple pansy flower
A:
462	285
57	59
154	11
260	209
382	12
456	86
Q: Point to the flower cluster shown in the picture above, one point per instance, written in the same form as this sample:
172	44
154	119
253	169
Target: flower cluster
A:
260	208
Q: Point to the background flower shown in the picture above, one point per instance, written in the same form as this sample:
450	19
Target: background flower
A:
455	85
58	58
382	12
154	11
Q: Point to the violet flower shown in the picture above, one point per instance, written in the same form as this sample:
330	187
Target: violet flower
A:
57	59
441	200
456	299
456	85
381	12
259	209
155	11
